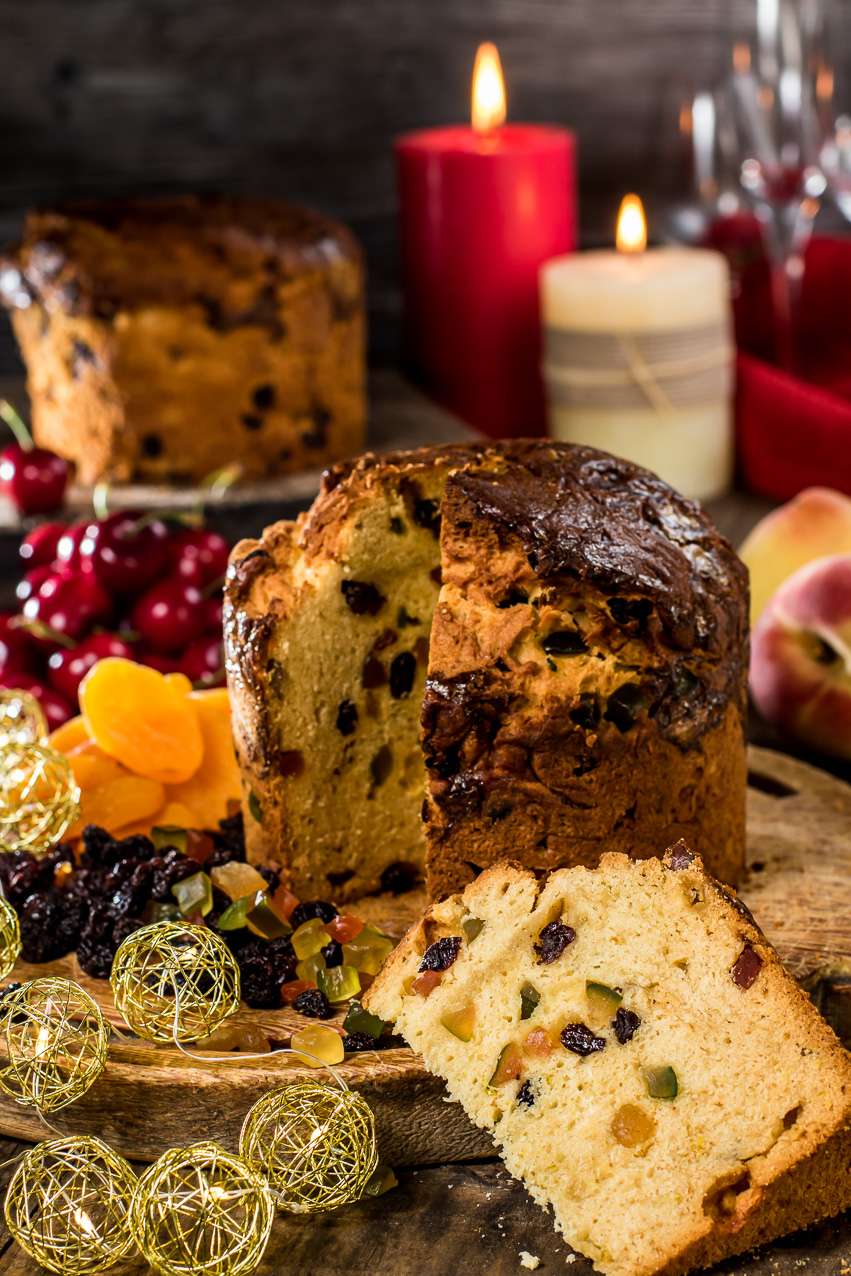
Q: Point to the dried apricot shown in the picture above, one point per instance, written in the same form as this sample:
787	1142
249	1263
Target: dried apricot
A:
69	735
137	716
216	782
128	799
92	767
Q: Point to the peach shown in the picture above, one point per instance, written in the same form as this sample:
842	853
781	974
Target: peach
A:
816	523
800	673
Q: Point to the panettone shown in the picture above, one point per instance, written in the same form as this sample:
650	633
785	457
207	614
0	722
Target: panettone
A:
166	338
583	688
645	1064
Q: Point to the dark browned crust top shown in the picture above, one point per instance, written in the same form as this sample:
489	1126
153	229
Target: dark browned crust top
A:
95	257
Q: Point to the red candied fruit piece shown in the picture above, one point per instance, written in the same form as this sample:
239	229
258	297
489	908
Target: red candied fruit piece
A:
425	984
284	902
344	927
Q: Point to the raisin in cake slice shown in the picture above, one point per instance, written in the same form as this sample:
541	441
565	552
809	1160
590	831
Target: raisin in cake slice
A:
645	1064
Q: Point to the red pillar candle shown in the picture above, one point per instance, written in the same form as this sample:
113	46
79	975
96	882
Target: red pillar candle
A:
481	208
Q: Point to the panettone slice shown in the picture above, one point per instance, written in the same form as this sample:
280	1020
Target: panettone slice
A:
644	1062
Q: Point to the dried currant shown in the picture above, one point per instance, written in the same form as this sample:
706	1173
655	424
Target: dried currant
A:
427	515
309	909
579	1039
678	856
398	877
403	670
625	1024
552	941
441	954
313	1004
362	598
347	717
526	1095
381	765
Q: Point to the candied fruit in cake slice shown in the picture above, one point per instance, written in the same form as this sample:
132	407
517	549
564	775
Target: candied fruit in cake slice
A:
636	1101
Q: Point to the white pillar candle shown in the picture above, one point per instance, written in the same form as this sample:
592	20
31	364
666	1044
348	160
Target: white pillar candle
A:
638	360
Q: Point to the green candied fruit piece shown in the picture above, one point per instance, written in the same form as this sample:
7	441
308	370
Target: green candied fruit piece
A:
309	938
472	928
339	983
262	919
529	998
607	998
254	807
661	1083
368	951
309	969
233	918
169	835
194	894
359	1020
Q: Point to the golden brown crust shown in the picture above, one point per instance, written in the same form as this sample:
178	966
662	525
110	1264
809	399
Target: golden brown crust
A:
167	338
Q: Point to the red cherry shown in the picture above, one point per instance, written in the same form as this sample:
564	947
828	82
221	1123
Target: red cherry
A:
38	548
127	550
68	551
56	708
213	608
16	651
66	667
69	603
199	555
203	662
33	478
31	580
169	615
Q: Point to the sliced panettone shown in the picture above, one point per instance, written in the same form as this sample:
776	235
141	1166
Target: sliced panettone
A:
580	686
645	1064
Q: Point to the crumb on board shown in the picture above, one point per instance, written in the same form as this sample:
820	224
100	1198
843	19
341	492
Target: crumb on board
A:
570	1258
530	1261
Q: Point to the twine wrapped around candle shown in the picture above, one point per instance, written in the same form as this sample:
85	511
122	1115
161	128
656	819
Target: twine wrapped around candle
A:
660	370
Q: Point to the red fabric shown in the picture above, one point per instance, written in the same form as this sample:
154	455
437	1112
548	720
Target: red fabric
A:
793	431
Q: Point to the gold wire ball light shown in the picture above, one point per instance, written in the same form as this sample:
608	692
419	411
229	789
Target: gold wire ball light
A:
22	719
175	981
56	1041
68	1205
315	1143
10	937
200	1211
39	797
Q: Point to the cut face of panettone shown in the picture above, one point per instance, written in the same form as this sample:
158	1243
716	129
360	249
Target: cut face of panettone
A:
645	1064
545	643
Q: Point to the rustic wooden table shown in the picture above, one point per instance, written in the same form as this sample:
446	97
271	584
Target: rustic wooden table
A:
474	1218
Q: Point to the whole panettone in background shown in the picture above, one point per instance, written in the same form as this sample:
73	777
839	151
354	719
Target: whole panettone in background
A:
166	338
642	1059
580	672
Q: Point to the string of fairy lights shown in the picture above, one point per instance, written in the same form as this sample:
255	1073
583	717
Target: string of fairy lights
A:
73	1203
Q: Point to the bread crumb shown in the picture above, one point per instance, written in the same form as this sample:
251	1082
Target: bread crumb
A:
529	1261
570	1258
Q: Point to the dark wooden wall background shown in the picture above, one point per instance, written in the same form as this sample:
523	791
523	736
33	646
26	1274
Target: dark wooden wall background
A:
303	97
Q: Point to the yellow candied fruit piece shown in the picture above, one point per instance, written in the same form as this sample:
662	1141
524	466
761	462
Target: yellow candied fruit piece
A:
237	879
321	1045
632	1126
128	799
309	938
136	716
69	735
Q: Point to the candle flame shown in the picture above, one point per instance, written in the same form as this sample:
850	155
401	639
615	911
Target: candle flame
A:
489	103
824	83
741	57
631	234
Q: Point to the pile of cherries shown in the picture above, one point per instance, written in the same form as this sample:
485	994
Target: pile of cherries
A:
130	584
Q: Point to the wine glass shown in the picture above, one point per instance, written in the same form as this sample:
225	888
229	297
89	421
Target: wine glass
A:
780	133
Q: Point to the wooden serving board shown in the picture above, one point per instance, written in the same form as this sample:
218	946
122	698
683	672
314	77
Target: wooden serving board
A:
150	1097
